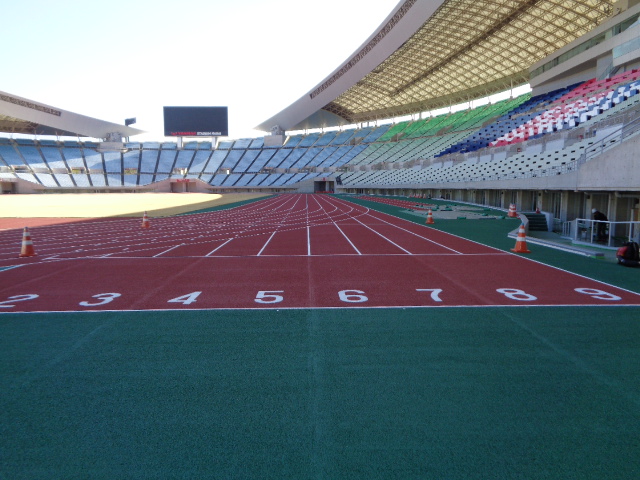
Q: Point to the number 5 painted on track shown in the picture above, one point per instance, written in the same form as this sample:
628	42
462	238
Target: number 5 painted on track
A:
17	298
435	293
103	297
268	296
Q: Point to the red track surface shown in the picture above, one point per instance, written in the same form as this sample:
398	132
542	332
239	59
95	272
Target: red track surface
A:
289	251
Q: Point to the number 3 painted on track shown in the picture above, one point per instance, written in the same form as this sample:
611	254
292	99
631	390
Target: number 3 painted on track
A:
103	297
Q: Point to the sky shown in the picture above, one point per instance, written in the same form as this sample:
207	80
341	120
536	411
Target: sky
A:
128	58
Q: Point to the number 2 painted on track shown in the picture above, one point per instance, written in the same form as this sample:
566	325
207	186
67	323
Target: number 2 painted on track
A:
17	298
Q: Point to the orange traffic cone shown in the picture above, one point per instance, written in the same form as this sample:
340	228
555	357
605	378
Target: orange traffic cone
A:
27	245
512	211
430	218
145	221
521	242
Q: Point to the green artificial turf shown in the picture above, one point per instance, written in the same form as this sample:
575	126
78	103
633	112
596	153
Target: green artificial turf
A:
463	393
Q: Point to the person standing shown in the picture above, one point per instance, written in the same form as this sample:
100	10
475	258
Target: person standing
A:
600	224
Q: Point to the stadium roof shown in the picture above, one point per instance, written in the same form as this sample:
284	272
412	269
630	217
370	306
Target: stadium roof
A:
429	54
20	115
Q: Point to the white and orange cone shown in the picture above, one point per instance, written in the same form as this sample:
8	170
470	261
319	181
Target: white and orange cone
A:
512	211
521	242
145	221
430	218
27	245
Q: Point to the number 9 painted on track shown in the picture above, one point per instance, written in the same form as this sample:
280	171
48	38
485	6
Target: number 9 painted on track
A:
599	294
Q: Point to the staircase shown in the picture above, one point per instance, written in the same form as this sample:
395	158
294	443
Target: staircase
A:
537	222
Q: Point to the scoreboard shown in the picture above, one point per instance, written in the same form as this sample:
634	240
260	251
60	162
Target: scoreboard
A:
196	121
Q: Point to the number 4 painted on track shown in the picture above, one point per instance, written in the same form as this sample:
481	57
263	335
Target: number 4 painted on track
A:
187	299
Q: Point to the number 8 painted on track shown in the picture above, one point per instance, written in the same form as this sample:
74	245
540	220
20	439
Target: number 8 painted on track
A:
516	294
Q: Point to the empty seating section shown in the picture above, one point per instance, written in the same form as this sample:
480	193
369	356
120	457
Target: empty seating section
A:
113	162
215	160
326	139
97	180
232	159
183	159
370	150
199	162
279	157
246	160
293	157
241	144
309	140
575	106
261	160
69	180
54	159
307	160
166	161
145	179
10	156
92	158
149	160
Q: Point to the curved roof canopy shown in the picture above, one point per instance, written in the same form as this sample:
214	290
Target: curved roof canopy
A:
458	51
21	115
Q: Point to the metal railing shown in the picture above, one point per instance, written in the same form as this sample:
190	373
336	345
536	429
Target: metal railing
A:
604	233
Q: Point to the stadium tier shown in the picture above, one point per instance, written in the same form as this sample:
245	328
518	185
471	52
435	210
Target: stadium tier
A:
497	141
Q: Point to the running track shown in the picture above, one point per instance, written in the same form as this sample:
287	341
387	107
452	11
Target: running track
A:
287	251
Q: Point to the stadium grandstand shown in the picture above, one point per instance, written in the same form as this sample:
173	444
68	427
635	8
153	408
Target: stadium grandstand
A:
407	114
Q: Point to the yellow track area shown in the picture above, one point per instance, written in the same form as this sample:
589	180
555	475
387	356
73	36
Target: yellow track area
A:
92	205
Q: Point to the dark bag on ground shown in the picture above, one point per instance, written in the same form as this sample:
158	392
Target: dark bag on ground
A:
629	254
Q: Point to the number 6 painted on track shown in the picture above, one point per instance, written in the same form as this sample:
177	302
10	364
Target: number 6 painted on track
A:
103	297
355	297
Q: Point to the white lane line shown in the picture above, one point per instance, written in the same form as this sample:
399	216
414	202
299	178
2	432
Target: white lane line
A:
267	243
218	248
387	239
413	233
350	242
168	250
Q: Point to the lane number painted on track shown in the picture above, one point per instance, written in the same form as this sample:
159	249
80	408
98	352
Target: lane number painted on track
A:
267	297
599	294
103	297
516	294
10	303
435	293
352	296
187	299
